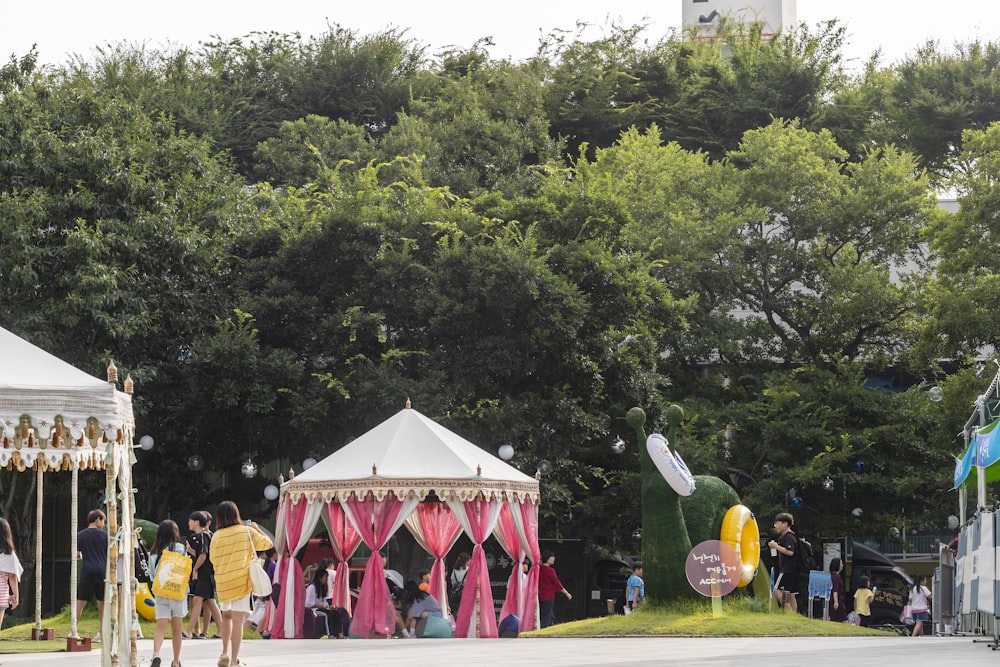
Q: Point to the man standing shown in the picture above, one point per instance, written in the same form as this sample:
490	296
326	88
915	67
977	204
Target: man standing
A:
635	589
92	550
199	542
786	586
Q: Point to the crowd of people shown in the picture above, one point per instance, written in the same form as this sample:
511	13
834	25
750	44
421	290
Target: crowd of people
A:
218	585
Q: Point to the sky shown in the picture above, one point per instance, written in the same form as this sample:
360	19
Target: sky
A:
62	27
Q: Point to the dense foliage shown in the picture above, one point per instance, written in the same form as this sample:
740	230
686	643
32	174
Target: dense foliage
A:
283	239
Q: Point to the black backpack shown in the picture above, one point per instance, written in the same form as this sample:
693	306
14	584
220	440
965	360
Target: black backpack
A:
804	558
142	573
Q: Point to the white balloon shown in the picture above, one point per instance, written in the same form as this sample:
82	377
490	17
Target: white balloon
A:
952	522
506	452
270	492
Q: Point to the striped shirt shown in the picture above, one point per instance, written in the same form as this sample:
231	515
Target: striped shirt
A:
231	555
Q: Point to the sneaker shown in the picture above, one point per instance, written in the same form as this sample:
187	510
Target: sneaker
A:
96	638
409	634
155	662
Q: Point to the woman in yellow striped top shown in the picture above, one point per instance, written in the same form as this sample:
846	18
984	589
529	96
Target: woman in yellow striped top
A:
234	546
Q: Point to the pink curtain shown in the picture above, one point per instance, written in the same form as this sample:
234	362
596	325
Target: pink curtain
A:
344	541
506	534
478	519
525	516
435	529
375	522
288	572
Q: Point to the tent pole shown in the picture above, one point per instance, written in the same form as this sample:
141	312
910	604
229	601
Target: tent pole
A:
38	542
73	525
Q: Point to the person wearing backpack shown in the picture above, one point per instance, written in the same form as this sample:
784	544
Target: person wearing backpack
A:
786	584
456	581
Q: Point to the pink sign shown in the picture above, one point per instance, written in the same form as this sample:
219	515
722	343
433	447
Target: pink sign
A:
713	568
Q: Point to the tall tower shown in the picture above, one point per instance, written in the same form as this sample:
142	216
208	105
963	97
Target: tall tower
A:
705	14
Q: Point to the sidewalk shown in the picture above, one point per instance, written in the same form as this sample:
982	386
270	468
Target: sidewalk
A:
583	652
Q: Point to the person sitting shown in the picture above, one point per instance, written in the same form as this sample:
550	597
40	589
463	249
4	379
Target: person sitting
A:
420	605
315	592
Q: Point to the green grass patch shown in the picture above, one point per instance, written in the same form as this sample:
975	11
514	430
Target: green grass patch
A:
694	618
17	638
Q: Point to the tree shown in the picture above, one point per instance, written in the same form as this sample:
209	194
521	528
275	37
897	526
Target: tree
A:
478	125
113	229
936	96
961	302
814	242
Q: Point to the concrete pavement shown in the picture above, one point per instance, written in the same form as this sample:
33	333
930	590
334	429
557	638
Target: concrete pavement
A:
890	651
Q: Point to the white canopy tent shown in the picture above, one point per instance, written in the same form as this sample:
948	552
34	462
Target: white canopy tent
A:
407	470
54	417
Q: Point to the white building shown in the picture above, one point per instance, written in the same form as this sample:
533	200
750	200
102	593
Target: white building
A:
705	14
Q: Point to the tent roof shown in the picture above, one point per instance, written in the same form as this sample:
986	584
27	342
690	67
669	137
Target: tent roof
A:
411	453
40	386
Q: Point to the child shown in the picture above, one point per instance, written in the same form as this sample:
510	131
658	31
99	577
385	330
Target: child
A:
168	538
862	601
10	570
919	597
635	589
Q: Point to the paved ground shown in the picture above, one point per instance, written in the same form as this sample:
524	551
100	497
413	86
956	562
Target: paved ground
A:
741	652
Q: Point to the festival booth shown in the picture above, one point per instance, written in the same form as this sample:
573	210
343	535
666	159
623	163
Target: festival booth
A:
409	471
53	418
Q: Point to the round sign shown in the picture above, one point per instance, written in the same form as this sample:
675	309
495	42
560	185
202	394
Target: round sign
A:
713	568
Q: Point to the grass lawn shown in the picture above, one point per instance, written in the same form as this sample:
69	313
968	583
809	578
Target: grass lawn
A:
740	617
694	618
17	638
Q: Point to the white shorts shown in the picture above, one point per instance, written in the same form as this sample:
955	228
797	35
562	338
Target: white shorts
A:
241	605
168	608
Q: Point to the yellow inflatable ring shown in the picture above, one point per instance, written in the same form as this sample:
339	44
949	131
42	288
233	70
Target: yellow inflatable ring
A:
145	606
740	531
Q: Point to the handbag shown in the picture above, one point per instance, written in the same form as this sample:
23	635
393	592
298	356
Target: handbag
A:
173	570
907	615
259	581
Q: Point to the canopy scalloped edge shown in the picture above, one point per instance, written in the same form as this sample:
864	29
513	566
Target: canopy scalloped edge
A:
328	490
52	459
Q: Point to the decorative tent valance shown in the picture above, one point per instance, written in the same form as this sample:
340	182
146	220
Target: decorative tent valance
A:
467	489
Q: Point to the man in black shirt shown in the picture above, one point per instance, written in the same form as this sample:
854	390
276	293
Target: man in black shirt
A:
92	549
786	585
199	543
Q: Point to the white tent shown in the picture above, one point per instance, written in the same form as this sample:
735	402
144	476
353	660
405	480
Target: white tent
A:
409	452
405	460
54	417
